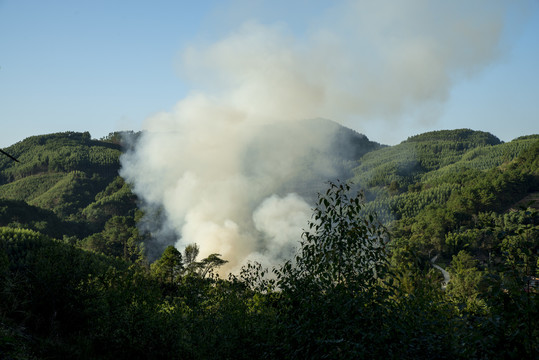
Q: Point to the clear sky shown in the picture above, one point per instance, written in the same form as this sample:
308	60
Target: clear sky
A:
103	66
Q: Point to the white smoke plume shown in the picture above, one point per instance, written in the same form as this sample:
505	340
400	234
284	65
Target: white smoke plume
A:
281	220
220	163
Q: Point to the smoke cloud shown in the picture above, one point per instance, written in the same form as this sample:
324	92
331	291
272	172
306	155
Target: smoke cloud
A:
226	165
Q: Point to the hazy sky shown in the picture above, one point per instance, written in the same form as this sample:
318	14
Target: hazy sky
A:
103	66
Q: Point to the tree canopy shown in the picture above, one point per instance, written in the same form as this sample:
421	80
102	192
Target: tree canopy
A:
80	278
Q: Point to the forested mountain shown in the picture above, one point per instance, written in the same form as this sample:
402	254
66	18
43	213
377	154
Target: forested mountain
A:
65	185
366	282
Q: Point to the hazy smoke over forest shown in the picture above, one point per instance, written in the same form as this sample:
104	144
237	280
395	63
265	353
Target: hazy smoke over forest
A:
215	164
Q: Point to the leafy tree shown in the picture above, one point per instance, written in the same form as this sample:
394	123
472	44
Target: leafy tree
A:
119	238
190	254
340	248
200	268
465	280
521	249
207	265
332	292
169	267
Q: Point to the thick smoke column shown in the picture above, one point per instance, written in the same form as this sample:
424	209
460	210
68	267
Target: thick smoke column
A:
220	162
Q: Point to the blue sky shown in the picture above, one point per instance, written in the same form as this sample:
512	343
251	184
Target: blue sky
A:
103	66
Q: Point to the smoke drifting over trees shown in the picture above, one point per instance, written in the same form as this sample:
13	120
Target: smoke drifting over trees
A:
224	164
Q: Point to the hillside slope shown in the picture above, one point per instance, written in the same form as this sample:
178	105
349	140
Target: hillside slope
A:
430	155
453	202
67	175
66	185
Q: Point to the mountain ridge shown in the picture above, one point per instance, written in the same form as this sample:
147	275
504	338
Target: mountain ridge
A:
76	177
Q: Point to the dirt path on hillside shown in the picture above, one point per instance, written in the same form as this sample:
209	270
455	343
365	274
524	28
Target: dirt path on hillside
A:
446	275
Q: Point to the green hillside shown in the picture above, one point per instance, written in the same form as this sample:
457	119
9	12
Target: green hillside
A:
67	173
406	162
438	259
434	188
425	169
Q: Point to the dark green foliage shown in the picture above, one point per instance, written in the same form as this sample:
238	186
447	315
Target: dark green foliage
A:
425	157
331	294
456	136
115	199
71	175
30	187
40	293
61	152
121	137
340	249
169	267
75	282
119	238
18	214
465	280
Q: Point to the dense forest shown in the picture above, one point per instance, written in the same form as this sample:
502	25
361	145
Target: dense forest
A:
428	249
